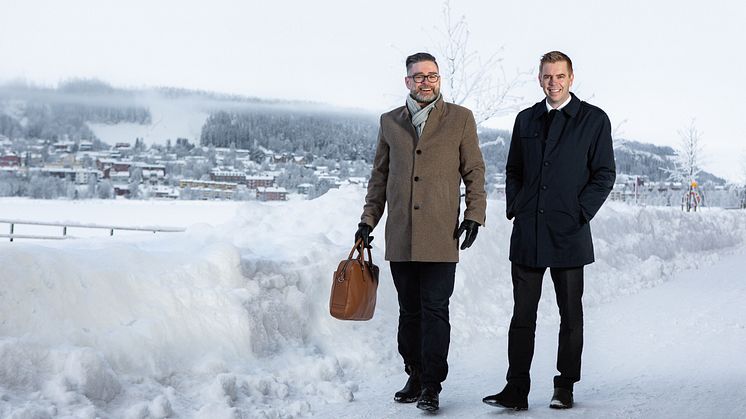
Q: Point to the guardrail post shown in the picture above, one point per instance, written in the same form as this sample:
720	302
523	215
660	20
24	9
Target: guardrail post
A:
64	230
11	231
111	232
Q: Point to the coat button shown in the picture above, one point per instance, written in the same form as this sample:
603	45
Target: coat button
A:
541	211
416	178
419	151
416	207
546	163
544	187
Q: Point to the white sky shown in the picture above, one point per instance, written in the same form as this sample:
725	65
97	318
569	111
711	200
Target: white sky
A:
656	65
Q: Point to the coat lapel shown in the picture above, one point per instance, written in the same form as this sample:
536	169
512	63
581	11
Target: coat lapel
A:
433	120
559	125
404	120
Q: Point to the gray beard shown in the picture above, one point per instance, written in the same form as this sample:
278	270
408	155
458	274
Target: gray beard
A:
420	99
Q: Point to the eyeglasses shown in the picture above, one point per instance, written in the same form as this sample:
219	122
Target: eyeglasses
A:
419	78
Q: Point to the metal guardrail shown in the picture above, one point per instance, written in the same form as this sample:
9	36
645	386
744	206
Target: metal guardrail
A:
33	236
111	228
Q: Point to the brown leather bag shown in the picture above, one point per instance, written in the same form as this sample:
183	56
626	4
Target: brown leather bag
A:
354	286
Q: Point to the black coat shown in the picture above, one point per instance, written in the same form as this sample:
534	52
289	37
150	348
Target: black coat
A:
554	189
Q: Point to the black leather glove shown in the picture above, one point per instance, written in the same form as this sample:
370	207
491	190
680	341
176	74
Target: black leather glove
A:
363	231
471	228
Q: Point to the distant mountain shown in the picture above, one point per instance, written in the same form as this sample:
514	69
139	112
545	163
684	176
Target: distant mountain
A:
65	112
636	158
89	109
94	110
643	159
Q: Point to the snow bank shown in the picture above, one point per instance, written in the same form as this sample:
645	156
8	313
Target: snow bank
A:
232	321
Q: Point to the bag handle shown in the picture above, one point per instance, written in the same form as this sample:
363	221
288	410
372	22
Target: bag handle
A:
361	254
360	258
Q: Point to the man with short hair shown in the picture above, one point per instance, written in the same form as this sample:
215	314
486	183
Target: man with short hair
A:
559	171
425	149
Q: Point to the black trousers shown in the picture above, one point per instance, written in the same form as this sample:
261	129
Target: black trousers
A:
424	290
568	286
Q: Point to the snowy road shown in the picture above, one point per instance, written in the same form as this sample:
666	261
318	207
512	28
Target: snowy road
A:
673	351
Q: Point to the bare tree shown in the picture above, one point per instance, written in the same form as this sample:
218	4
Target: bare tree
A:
687	162
616	134
472	79
689	156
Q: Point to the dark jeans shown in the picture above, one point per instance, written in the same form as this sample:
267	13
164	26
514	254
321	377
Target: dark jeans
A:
568	286
423	289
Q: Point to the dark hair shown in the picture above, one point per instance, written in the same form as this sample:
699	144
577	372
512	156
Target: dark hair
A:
553	57
420	56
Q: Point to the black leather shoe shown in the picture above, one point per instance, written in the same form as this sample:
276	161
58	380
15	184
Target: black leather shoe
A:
562	399
510	398
411	391
429	400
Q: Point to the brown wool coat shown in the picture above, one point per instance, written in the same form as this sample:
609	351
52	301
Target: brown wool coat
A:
420	181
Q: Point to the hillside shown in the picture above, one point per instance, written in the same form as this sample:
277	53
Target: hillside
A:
93	110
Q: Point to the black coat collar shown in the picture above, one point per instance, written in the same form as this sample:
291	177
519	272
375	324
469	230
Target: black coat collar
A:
572	108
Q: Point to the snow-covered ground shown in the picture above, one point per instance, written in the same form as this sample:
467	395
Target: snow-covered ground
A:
674	351
230	319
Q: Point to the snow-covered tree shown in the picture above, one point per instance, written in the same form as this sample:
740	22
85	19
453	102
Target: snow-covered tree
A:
688	156
134	183
47	187
105	189
687	161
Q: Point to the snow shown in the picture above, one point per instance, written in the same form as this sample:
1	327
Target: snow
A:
121	212
170	119
230	318
497	141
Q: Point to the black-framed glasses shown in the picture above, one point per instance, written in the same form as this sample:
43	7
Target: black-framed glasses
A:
419	78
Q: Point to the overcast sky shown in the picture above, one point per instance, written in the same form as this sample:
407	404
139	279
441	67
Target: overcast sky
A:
654	64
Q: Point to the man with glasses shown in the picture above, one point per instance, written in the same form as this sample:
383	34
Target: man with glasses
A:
425	149
560	170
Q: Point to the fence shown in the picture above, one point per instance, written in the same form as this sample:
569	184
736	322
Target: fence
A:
111	228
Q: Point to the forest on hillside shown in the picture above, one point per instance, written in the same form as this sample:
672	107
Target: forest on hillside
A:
63	113
337	135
